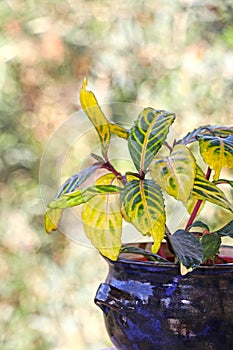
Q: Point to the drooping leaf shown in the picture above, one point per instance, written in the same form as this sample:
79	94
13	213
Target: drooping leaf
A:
187	248
102	219
93	111
147	136
52	218
77	179
206	190
211	245
119	130
217	152
83	195
226	230
175	174
144	206
200	224
212	130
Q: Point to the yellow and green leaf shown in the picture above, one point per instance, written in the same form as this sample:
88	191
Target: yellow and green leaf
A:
147	136
77	179
217	152
144	206
83	195
119	130
206	190
175	174
52	218
92	109
102	219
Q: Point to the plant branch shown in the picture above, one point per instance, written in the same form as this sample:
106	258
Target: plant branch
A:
107	165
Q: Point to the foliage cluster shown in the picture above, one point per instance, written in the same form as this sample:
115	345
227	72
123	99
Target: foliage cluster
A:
137	196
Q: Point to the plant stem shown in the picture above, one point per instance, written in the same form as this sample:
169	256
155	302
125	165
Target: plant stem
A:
194	213
198	204
107	165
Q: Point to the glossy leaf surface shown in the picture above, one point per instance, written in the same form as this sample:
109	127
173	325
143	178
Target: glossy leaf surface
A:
175	174
217	152
102	219
147	136
188	248
205	190
93	111
143	204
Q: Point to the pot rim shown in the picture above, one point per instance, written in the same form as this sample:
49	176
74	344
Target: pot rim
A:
129	261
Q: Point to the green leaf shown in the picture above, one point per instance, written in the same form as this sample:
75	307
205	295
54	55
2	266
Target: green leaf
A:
206	190
144	206
200	224
119	130
226	230
102	219
77	179
217	152
52	218
187	248
175	174
93	111
211	244
83	195
147	136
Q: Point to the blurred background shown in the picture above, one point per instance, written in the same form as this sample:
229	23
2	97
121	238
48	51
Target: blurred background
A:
174	55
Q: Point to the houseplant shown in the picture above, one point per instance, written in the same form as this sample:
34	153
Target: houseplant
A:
145	288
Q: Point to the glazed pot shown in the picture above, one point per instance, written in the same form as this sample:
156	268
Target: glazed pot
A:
149	306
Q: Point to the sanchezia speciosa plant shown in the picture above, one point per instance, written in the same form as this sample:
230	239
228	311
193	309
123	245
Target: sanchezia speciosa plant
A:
137	197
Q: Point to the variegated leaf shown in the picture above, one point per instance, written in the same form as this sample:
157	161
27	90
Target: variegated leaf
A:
51	219
144	206
102	219
206	190
77	179
210	130
175	174
93	111
119	130
147	136
217	152
83	195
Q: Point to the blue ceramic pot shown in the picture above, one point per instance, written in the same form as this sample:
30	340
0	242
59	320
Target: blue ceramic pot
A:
149	306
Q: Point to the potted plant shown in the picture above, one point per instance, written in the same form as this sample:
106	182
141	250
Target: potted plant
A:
175	292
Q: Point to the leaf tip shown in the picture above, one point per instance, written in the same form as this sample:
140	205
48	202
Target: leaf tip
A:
85	82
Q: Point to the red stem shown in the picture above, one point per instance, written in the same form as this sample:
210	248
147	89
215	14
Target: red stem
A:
198	204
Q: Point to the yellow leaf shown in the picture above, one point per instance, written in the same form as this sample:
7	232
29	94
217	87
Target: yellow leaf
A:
92	109
217	152
51	219
102	220
119	130
175	174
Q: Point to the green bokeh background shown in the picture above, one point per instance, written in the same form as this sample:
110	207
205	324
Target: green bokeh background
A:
174	55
